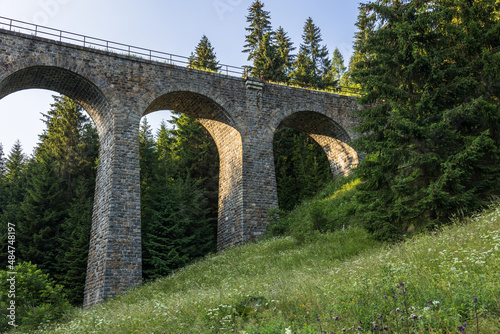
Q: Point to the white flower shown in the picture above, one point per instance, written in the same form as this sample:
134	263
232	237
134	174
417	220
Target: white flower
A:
288	330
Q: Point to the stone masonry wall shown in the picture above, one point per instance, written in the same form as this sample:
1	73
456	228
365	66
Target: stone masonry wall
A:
242	117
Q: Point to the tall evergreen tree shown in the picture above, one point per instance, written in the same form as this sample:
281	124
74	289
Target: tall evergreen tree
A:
256	40
301	167
16	162
265	64
204	56
432	140
12	190
284	57
336	71
312	63
56	211
43	213
196	155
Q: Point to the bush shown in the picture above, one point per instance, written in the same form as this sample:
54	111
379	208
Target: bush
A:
37	299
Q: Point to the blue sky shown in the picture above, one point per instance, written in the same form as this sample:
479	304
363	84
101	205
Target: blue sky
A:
162	25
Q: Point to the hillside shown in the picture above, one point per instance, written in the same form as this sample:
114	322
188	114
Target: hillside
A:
331	282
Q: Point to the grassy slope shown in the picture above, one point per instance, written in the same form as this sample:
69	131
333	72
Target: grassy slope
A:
343	274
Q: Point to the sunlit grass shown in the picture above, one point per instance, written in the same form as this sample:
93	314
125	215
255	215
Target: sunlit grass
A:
335	281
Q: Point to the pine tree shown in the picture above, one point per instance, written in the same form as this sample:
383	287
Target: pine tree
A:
284	57
265	65
312	63
57	208
196	155
43	213
336	71
12	190
204	56
431	139
16	162
256	42
76	244
301	167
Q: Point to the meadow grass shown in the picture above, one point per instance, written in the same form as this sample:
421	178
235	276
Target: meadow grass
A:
344	281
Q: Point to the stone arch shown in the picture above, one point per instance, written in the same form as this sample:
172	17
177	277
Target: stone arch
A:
329	135
219	123
61	80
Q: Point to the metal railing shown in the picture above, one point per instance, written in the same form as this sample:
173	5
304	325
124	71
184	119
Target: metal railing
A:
108	46
131	51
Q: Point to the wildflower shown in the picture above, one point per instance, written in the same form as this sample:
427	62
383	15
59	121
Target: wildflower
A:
475	300
343	330
359	328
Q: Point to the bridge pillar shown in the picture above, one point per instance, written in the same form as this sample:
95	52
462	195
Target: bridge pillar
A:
259	181
115	259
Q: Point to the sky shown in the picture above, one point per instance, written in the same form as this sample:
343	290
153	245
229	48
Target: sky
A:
167	26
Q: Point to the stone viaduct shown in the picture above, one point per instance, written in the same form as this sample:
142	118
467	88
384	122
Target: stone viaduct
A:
242	115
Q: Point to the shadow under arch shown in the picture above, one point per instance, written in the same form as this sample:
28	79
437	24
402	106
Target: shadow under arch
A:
218	122
329	135
60	80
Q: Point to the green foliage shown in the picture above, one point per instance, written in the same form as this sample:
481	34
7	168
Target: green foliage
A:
333	208
37	299
179	180
337	69
16	162
430	71
259	26
312	64
49	198
43	213
204	56
301	167
284	57
12	190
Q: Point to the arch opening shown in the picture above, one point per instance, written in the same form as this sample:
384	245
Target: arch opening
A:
60	80
325	152
205	149
51	199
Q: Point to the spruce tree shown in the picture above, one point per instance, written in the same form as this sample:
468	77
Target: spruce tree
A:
284	57
57	209
196	155
43	213
256	42
312	63
204	56
12	190
16	162
265	64
76	243
301	167
429	70
336	71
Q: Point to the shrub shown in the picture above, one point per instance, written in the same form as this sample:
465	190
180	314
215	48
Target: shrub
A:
37	299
